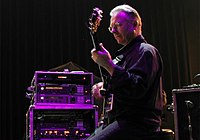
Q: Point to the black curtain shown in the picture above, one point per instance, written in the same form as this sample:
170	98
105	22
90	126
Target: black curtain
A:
43	34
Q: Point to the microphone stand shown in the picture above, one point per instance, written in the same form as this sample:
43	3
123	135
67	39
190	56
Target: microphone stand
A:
189	105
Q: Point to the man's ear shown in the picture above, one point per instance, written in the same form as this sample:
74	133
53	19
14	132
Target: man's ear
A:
135	23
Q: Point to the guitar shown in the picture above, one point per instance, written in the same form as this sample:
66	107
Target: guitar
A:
94	23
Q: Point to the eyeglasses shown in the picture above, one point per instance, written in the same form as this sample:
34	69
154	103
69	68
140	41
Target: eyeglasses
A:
115	26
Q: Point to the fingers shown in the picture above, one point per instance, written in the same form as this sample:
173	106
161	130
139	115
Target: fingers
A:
94	87
100	57
102	47
93	55
101	44
93	50
96	90
100	85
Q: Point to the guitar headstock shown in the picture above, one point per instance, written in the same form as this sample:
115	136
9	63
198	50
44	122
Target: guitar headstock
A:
94	20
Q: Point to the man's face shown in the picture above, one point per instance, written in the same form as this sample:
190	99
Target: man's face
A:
122	28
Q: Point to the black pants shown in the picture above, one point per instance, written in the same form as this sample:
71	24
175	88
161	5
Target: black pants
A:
120	130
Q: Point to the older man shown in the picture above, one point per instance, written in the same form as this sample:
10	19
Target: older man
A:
133	78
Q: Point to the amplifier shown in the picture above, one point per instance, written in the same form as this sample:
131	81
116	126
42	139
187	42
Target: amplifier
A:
63	87
75	122
187	113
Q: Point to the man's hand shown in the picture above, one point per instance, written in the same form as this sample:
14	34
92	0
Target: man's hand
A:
96	90
103	58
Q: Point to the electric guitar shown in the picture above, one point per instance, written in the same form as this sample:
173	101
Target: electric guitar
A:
94	23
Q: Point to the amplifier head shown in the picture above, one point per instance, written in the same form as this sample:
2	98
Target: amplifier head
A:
63	87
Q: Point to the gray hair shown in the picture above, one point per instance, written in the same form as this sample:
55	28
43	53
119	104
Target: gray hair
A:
128	10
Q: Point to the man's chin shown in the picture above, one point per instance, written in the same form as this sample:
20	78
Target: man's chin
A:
119	42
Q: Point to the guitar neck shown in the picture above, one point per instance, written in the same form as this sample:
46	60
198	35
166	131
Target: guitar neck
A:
95	41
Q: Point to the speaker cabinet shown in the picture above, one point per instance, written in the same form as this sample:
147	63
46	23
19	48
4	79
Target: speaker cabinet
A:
187	113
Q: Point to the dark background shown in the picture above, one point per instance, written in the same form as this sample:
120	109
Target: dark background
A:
43	34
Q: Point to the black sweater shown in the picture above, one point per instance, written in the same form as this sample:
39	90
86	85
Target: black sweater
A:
136	84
